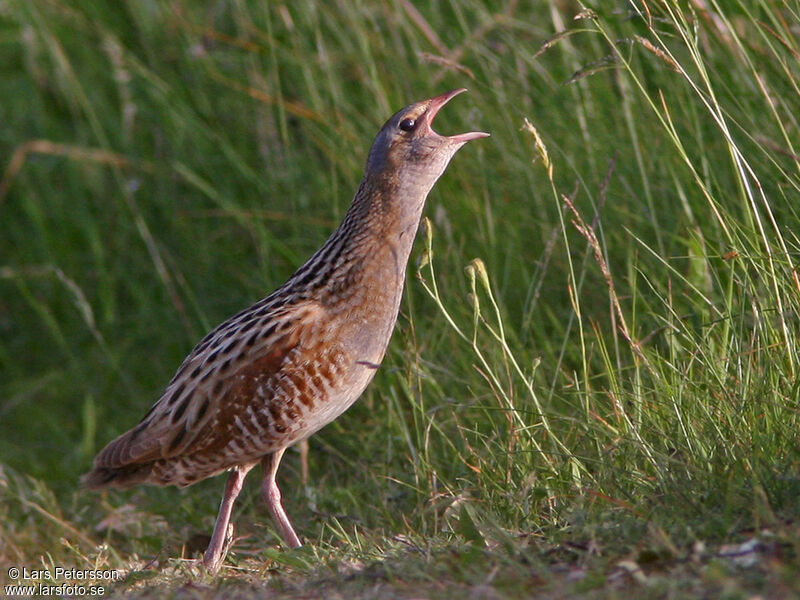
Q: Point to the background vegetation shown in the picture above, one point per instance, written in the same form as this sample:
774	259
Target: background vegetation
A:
593	386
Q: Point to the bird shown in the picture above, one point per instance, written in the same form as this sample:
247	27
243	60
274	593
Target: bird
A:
275	373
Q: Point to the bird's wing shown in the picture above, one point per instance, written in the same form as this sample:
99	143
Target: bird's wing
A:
214	381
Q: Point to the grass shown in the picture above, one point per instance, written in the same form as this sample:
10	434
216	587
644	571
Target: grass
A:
593	387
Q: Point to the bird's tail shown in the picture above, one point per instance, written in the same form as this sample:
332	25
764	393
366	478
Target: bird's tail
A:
121	477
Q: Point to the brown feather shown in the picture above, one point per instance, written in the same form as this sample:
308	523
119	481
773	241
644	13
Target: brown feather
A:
202	409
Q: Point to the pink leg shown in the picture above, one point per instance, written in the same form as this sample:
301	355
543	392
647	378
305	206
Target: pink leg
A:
222	537
272	496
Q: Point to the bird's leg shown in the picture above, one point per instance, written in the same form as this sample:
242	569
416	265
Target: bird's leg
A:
272	496
222	538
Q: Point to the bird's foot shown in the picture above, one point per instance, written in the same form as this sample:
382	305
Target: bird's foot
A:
215	555
289	536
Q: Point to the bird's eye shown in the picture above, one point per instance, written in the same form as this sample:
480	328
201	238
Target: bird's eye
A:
407	124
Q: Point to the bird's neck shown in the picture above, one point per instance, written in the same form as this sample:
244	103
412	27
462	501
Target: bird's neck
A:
384	210
376	234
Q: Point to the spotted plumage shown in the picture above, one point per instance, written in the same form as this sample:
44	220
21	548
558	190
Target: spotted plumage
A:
281	369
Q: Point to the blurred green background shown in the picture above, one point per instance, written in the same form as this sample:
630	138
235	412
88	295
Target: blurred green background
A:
627	363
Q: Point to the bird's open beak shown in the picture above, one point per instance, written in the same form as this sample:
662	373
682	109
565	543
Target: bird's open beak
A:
435	104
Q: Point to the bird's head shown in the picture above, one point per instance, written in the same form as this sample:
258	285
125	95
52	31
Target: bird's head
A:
409	151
